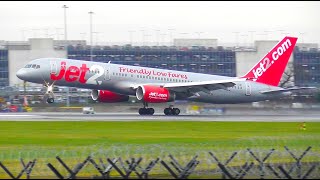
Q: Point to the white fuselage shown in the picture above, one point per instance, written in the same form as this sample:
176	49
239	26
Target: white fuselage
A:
122	78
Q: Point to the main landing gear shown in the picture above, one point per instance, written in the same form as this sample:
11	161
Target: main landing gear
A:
145	110
150	111
171	111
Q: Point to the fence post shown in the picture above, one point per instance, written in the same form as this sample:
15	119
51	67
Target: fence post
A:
298	161
261	162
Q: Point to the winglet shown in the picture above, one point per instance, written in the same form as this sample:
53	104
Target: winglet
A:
270	68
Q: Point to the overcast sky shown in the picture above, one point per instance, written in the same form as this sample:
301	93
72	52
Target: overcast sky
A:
150	22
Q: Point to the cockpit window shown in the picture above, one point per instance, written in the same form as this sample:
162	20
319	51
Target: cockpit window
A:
38	67
34	66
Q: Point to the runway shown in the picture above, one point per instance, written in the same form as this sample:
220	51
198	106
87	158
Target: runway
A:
240	115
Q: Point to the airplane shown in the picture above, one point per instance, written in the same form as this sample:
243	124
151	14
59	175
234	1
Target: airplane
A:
115	82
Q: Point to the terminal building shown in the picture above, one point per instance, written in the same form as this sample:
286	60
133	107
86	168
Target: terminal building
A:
200	56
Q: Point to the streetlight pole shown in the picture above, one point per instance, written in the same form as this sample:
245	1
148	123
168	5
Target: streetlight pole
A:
65	39
91	35
65	21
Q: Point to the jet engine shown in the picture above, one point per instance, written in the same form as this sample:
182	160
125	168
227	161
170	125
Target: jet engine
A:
108	96
154	94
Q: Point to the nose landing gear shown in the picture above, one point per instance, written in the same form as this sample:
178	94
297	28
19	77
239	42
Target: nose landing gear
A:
49	93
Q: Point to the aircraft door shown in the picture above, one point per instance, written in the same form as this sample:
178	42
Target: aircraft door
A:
248	88
53	67
107	72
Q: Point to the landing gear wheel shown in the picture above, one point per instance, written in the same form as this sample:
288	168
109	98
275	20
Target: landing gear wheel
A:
171	111
50	100
146	111
176	111
142	111
167	111
150	111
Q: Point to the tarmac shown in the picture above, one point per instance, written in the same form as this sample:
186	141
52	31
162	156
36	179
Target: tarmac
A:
249	115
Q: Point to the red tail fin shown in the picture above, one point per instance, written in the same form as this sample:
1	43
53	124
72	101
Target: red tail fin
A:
270	68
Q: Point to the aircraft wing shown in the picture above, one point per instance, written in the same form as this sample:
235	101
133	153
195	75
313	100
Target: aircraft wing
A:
205	86
295	89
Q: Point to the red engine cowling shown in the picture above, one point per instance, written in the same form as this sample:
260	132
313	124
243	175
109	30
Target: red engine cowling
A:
154	94
108	96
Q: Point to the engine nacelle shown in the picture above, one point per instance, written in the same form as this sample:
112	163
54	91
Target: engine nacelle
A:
108	96
154	94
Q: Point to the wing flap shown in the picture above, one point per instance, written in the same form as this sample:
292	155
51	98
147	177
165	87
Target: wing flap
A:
212	85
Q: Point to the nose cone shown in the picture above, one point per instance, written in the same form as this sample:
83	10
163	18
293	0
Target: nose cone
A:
22	74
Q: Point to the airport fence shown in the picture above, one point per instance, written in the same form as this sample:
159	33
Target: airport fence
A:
157	162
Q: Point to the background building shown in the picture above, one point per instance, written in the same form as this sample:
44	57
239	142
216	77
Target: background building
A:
4	68
307	66
20	53
200	60
196	42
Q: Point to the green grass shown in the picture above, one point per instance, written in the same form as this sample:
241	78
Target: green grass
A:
56	134
225	135
74	141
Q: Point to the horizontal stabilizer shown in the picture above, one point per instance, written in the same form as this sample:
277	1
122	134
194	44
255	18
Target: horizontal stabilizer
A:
295	89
